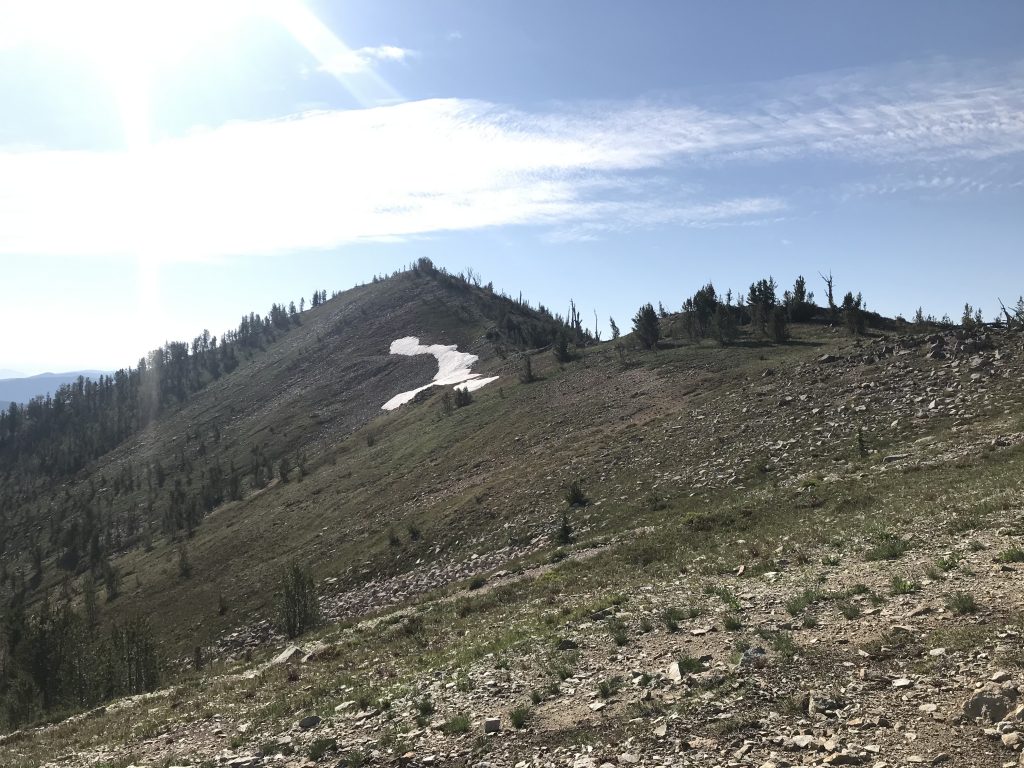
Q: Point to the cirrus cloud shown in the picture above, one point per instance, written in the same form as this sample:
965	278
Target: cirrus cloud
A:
323	179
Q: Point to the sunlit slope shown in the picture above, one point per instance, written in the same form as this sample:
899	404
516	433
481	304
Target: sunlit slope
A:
300	400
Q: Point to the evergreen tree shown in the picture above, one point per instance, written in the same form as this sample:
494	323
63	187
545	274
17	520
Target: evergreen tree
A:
853	313
799	302
646	326
298	607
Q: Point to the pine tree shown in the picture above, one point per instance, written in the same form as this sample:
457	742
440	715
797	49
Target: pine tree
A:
646	326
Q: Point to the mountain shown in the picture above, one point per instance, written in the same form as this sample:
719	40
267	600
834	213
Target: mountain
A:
23	389
7	373
753	552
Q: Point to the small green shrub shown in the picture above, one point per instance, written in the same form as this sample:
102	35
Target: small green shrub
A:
608	688
564	534
903	586
732	622
850	610
321	747
784	645
520	716
425	707
619	631
1012	555
477	582
457	724
887	546
689	665
575	496
672	616
962	603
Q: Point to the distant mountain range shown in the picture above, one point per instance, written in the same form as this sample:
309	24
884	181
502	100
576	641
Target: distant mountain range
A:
23	389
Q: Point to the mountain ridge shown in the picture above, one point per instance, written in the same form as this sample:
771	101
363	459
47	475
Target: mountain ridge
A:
728	498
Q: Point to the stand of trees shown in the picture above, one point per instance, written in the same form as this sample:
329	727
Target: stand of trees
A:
55	660
709	314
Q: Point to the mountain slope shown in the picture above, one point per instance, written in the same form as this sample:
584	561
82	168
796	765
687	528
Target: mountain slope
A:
813	499
300	401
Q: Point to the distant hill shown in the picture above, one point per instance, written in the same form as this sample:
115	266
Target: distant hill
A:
7	373
23	389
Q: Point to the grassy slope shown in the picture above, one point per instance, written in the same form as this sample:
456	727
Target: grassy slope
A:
682	452
696	462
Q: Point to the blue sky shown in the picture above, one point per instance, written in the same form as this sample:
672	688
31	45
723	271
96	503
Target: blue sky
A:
166	167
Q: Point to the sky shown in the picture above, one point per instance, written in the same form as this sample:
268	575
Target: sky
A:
167	167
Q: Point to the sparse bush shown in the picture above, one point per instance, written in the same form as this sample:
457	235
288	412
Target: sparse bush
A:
565	532
888	546
784	645
575	496
962	603
726	596
477	582
321	747
608	688
619	631
732	622
457	724
520	716
672	616
850	610
184	566
903	586
689	665
798	603
561	347
526	376
298	607
425	706
1012	555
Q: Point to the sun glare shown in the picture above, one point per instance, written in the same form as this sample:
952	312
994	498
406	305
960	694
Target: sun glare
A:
148	30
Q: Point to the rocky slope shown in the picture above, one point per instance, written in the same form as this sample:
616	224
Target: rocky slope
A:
813	558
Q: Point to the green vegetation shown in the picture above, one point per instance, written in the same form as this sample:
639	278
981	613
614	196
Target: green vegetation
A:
887	546
1012	554
904	586
298	607
520	716
962	603
457	724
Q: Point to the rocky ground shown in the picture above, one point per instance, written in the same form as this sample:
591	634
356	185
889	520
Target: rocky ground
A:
881	645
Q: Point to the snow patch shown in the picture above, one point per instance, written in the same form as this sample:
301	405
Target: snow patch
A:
453	369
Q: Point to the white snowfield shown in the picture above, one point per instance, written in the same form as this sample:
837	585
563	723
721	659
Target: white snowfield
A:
453	369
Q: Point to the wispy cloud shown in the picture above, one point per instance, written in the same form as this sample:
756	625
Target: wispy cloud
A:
354	61
325	178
